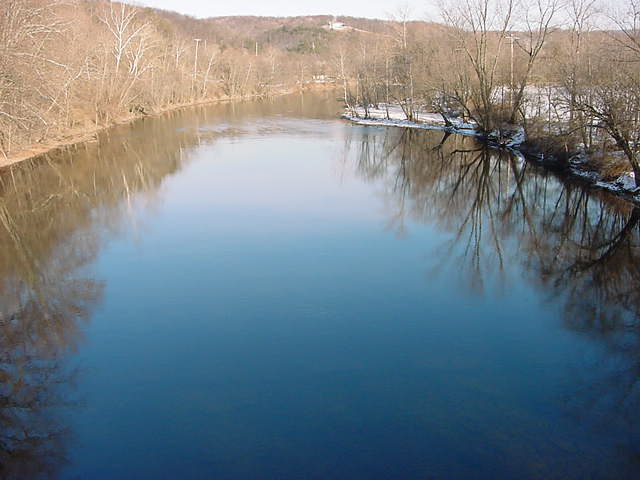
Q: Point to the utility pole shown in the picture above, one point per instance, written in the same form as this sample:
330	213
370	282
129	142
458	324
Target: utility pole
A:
511	37
195	67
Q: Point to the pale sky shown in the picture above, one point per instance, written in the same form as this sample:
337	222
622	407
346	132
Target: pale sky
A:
421	9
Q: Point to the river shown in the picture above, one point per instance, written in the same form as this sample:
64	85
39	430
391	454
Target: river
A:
263	290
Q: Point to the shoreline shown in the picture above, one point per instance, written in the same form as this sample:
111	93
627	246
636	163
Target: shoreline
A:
73	138
622	188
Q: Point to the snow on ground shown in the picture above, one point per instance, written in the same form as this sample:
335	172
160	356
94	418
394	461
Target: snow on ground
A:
395	113
509	138
392	115
625	183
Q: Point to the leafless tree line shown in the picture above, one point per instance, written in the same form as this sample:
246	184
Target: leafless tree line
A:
73	65
568	71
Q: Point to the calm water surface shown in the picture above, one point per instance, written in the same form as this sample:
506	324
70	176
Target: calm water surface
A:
264	291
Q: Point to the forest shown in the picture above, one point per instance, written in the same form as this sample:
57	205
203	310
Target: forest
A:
76	66
566	71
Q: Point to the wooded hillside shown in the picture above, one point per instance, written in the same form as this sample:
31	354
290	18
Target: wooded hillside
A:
77	65
73	66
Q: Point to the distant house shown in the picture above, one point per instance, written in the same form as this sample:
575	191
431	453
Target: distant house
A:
338	26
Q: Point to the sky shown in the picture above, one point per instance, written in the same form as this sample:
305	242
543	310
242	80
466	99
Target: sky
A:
420	9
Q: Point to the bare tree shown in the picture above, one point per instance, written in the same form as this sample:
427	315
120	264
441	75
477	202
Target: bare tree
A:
535	32
480	28
130	42
610	92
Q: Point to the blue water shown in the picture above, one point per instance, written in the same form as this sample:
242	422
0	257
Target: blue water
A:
268	310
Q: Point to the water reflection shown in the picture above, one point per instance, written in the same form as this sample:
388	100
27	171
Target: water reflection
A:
581	248
55	212
577	247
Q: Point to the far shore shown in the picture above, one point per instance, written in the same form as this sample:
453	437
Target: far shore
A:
80	136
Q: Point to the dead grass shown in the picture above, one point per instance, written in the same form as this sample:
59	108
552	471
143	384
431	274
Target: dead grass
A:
609	165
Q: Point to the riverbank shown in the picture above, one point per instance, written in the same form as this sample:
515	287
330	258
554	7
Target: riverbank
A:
83	135
515	141
394	116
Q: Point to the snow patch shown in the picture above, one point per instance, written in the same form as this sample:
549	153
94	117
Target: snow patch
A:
393	115
627	181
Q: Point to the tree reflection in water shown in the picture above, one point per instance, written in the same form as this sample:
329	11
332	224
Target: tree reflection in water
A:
580	247
577	246
54	212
